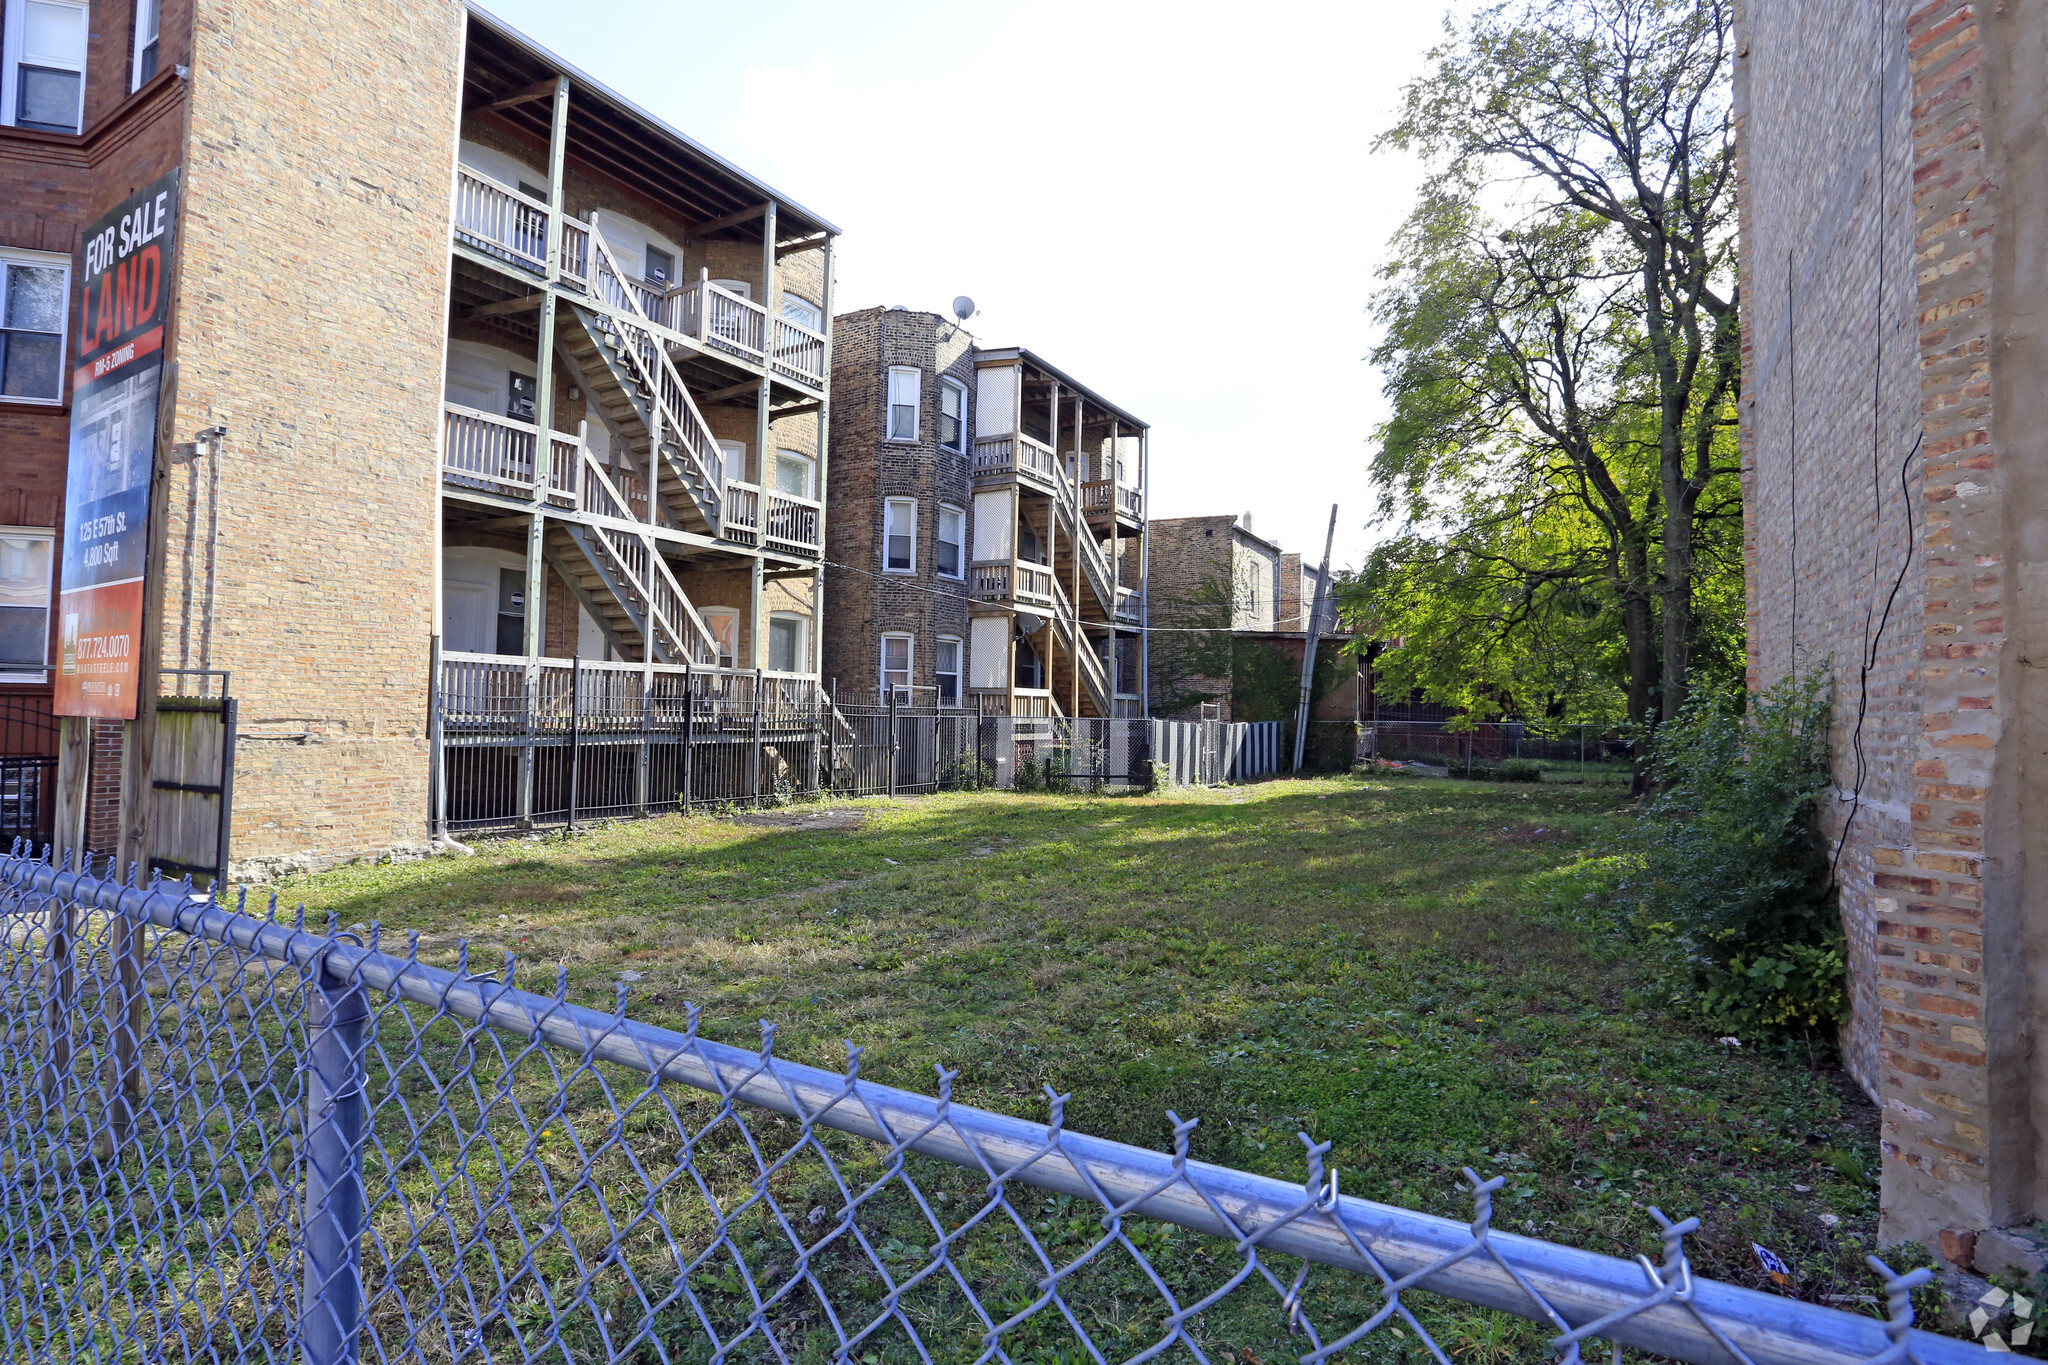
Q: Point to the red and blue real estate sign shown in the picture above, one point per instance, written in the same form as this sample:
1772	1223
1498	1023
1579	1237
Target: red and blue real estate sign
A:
124	284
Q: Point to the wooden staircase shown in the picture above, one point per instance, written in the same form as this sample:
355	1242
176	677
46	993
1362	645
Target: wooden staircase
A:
1072	649
595	346
623	584
1077	537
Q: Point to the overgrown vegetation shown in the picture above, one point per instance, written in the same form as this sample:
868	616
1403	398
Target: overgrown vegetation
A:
1427	975
1727	864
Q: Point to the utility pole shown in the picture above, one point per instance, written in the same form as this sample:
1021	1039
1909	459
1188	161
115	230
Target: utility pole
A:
1312	628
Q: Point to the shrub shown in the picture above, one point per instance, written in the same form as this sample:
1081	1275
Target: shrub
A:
1728	864
1521	770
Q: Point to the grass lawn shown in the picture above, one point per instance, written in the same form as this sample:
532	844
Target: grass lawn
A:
1420	972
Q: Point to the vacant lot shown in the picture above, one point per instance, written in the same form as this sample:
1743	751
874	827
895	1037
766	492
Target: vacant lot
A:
1423	973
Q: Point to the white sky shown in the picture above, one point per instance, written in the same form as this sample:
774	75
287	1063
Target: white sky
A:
1175	203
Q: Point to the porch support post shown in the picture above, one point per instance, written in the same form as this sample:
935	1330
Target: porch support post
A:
558	152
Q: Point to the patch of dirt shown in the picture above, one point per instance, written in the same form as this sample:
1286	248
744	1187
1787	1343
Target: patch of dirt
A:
821	821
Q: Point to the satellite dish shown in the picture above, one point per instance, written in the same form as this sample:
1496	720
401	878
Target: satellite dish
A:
963	308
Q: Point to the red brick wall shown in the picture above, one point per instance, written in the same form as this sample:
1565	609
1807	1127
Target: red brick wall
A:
1894	247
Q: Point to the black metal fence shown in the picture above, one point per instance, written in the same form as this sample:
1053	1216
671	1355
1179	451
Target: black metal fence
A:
553	742
28	766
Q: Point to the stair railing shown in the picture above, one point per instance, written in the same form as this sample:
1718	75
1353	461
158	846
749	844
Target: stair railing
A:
680	418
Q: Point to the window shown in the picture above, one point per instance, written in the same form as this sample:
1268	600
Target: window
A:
739	287
896	651
521	387
24	600
803	312
148	21
33	286
511	611
735	455
903	399
953	415
724	625
661	267
952	551
946	662
793	474
786	652
42	80
899	536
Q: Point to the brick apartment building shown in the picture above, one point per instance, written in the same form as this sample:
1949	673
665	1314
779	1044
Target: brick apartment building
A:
1217	588
576	408
1894	267
987	526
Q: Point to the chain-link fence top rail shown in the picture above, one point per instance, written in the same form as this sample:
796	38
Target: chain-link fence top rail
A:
233	1137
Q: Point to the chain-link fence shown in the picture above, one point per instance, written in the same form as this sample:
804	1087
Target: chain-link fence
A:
235	1137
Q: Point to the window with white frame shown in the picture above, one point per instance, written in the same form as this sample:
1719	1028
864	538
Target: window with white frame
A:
42	71
25	554
148	23
899	536
952	544
904	392
786	653
734	454
953	415
803	312
724	625
795	474
946	663
896	654
33	288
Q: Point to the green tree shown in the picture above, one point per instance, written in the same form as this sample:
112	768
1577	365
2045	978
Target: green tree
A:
1562	352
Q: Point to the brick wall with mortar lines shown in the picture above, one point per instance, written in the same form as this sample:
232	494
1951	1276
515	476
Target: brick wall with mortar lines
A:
314	129
863	603
1928	1018
1191	559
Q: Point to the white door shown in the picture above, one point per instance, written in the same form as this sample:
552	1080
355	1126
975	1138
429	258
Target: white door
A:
735	455
466	618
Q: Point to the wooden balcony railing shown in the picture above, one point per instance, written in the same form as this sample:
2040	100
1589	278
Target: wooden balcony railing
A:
573	257
1003	580
493	454
1098	497
794	525
742	522
999	455
799	352
500	221
720	319
1126	604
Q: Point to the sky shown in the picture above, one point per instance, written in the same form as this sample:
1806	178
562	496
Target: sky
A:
1177	204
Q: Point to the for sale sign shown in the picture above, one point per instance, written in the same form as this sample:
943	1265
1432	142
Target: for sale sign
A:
124	305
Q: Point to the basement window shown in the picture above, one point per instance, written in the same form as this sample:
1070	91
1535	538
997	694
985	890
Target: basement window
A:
896	655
